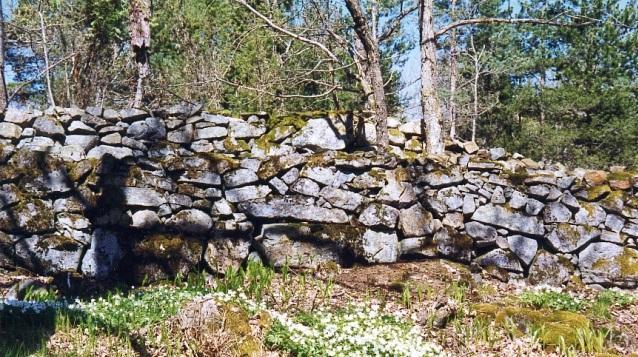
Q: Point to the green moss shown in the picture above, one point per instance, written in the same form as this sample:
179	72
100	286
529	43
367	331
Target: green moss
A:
234	145
627	262
553	326
57	242
597	192
220	162
518	177
621	176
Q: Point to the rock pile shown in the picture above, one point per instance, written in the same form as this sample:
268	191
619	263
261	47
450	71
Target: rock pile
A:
99	192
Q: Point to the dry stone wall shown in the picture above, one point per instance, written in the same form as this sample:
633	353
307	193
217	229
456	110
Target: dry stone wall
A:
100	193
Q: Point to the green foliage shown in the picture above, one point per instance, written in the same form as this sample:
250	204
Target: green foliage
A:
610	298
254	279
549	299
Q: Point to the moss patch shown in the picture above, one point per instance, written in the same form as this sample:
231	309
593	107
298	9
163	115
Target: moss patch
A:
553	326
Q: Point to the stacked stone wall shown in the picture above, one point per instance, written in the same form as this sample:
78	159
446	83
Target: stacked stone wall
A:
100	193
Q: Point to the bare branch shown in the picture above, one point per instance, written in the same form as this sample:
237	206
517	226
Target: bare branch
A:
395	23
35	78
288	32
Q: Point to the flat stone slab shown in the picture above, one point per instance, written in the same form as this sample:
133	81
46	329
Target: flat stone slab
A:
287	210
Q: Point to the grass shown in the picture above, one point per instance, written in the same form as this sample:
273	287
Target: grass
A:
550	299
607	299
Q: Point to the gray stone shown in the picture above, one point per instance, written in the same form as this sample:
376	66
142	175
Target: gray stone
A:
613	237
377	214
290	245
240	129
37	143
609	264
614	222
421	247
49	254
95	111
190	221
103	256
513	221
71	221
247	193
415	221
518	200
439	179
17	116
498	197
556	213
86	142
183	135
449	243
9	194
240	177
550	269
318	134
500	258
222	208
49	127
497	153
145	219
339	198
215	119
112	139
279	185
570	201
483	235
147	129
276	165
539	191
206	178
590	214
281	209
30	216
141	197
305	187
631	229
567	238
534	207
323	175
223	253
213	132
380	247
469	206
93	121
411	127
524	248
10	131
119	153
291	176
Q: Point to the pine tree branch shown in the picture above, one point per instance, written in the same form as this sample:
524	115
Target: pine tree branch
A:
496	20
395	23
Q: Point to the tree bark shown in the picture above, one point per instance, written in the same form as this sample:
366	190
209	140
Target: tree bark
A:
140	30
45	52
4	98
453	75
429	102
371	47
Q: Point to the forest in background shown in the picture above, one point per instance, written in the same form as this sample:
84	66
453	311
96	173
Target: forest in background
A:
562	88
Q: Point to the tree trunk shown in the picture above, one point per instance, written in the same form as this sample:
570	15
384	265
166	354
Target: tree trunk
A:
475	113
45	52
371	48
453	75
140	30
4	98
429	101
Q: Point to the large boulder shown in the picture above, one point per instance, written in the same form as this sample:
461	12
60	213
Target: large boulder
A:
503	217
609	264
501	259
319	134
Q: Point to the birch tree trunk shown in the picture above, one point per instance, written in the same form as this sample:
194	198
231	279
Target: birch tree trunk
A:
45	53
4	98
140	30
429	102
371	47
